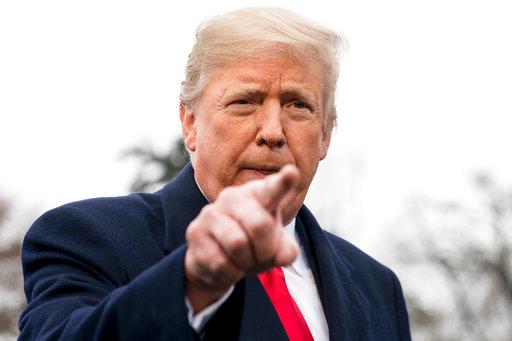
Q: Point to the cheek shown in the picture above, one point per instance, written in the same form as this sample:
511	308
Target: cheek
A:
307	149
306	144
222	141
234	134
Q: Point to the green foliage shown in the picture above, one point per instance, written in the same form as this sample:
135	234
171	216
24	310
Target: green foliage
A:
156	169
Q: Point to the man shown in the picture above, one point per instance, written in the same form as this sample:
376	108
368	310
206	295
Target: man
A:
226	250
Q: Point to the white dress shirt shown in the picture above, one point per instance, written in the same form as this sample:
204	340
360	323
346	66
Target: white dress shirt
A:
301	285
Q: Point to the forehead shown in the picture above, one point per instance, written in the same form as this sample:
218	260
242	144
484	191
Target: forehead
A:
267	73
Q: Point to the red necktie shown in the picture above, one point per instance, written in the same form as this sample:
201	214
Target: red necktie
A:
293	322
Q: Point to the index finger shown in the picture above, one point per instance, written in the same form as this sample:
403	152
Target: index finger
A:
274	187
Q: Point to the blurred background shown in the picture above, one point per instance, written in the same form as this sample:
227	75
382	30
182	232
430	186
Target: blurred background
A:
419	174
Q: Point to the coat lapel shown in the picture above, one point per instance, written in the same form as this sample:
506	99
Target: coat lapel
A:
345	307
181	203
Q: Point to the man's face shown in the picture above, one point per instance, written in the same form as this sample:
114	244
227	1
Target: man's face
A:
252	118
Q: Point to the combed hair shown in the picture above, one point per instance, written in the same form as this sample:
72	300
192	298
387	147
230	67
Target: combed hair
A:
264	32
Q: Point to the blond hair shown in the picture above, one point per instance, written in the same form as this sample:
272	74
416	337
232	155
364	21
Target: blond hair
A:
268	33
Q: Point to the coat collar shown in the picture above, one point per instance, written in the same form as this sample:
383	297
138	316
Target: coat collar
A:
181	203
346	308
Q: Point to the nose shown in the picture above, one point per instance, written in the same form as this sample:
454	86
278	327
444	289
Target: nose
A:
270	126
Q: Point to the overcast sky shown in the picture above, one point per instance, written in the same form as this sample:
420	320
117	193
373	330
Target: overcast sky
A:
424	96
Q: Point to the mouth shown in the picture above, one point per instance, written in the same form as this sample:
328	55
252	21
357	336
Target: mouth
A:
262	171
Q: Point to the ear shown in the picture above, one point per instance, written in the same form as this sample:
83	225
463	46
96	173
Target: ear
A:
325	142
188	127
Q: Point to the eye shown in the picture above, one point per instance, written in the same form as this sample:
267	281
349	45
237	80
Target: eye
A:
240	102
241	106
300	105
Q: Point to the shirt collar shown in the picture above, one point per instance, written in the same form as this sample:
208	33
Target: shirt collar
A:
299	265
201	190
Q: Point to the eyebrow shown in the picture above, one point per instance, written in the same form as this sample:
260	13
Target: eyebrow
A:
258	89
300	93
244	90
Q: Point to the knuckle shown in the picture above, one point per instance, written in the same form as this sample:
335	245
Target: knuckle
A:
209	214
259	229
218	265
268	221
198	260
192	231
229	194
238	244
208	211
261	226
210	262
201	258
225	194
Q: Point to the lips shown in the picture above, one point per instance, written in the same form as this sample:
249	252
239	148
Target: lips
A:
263	171
260	171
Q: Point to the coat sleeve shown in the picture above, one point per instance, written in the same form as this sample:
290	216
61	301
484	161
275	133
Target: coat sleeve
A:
77	287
